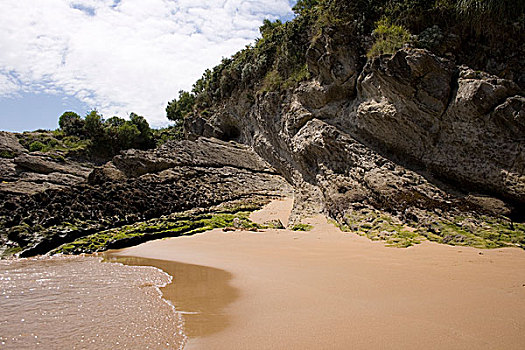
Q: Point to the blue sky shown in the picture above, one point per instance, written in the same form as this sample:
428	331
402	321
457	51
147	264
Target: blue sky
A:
118	56
31	111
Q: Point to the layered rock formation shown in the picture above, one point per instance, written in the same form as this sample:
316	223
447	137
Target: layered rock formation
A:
136	186
24	172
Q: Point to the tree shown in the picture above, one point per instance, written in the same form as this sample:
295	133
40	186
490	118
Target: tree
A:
94	124
145	138
202	84
178	109
127	136
94	130
115	121
303	6
71	123
268	27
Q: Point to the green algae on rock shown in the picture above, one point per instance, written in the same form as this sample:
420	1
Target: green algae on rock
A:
185	223
475	231
137	186
302	227
378	225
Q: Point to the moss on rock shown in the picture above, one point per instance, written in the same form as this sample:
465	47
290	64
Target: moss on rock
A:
464	230
302	227
185	223
377	226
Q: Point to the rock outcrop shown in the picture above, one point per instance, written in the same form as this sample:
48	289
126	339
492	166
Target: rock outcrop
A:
24	172
412	135
136	186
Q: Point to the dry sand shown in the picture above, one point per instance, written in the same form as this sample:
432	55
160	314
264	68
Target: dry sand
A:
326	289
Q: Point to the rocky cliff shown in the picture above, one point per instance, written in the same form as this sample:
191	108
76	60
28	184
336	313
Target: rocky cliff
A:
426	142
410	139
402	148
24	172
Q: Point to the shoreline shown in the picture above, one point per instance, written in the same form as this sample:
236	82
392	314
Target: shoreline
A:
197	293
330	289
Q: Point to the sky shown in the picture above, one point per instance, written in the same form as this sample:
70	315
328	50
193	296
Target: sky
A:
116	56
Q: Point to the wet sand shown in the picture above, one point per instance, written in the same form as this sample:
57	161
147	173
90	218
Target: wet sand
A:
199	293
326	289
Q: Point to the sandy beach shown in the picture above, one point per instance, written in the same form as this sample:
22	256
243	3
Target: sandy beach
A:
327	289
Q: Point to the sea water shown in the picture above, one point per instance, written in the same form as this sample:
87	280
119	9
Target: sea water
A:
83	303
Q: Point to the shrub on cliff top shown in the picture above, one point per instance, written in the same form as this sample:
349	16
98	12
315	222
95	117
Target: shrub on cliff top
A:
99	137
71	123
389	38
303	6
36	146
177	109
278	59
120	134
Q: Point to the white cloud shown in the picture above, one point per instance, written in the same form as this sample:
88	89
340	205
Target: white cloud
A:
122	56
8	85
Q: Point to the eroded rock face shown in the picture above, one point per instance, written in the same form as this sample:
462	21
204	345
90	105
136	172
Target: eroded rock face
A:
137	186
421	138
22	172
206	153
10	148
459	125
9	142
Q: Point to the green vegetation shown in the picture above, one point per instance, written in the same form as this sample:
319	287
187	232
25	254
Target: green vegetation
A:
108	137
7	154
389	38
302	7
272	82
87	236
10	251
278	58
163	135
71	123
177	109
187	223
491	9
381	226
486	15
479	232
56	143
302	227
484	232
95	137
36	146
